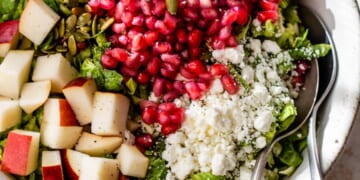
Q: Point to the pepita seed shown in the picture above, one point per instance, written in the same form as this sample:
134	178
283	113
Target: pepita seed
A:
84	19
60	48
85	29
107	24
87	8
56	33
172	6
71	23
93	25
65	10
62	27
72	45
79	37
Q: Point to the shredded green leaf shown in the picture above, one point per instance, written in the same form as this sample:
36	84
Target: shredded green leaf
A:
206	176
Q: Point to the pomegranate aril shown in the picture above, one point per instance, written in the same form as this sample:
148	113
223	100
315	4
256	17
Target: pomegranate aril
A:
119	28
123	39
119	9
268	5
149	115
195	53
153	66
181	35
119	54
142	150
243	16
114	40
214	27
297	81
193	90
81	46
209	13
144	57
193	3
218	69
171	58
229	84
127	18
185	72
162	47
229	17
151	37
168	129
190	14
194	38
179	47
146	7
108	62
168	73
204	85
143	78
168	107
196	66
150	22
302	66
107	4
169	86
206	76
145	140
161	27
263	16
205	3
178	116
179	87
159	86
163	118
159	7
138	20
147	103
170	21
128	71
233	3
231	41
218	43
95	5
138	43
225	33
132	6
133	61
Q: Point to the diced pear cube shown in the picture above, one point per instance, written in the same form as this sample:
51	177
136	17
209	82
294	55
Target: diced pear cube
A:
34	94
97	145
9	36
110	112
37	20
96	168
56	69
14	72
131	161
10	113
51	165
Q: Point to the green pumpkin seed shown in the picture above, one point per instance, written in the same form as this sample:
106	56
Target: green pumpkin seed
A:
84	19
93	26
56	33
72	45
87	8
70	23
85	29
65	10
61	49
172	6
62	27
107	24
81	36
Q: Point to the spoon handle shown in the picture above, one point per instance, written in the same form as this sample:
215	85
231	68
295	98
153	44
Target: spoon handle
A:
315	166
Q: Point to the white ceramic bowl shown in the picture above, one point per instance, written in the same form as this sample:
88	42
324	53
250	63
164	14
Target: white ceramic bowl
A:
337	113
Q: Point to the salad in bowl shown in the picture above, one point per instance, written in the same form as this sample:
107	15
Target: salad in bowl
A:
160	89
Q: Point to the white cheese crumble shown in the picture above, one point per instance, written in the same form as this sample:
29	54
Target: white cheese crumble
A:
223	131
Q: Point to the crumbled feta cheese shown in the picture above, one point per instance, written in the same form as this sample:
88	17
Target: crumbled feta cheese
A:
271	47
220	164
263	121
260	142
216	87
255	46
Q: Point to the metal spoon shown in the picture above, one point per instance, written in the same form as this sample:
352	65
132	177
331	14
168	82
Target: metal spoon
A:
304	104
328	72
318	34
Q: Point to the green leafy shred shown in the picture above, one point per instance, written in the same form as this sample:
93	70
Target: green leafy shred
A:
11	9
310	52
112	80
235	72
53	4
206	176
287	117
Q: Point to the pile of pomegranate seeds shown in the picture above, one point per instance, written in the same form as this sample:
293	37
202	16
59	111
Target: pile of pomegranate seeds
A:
155	47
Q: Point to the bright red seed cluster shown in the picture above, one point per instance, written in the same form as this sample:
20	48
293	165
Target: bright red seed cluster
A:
269	10
155	47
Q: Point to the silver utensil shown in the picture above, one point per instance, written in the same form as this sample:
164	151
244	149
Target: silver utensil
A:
328	73
304	105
